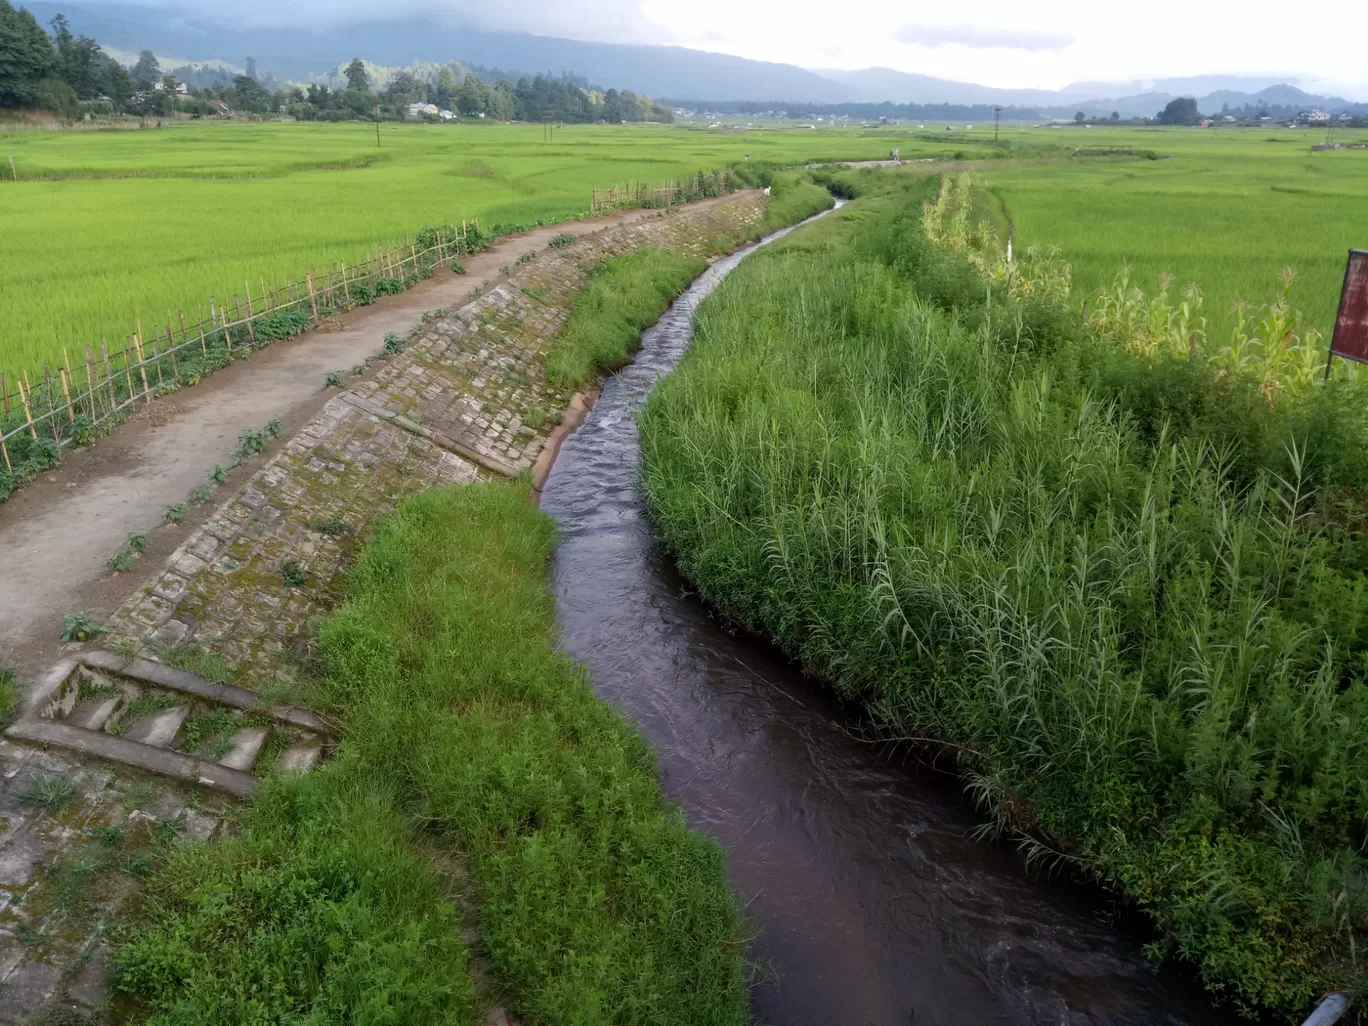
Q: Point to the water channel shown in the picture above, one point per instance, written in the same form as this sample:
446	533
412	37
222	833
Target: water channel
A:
872	903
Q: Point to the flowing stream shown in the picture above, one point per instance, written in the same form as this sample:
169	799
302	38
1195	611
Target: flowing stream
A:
872	903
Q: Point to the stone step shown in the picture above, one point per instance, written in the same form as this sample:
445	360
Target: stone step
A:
247	744
301	757
158	729
94	713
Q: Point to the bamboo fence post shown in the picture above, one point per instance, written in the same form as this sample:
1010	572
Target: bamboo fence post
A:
157	353
175	364
109	378
128	372
4	391
4	449
52	401
313	300
185	335
28	412
346	298
251	331
69	379
204	346
71	416
142	364
90	385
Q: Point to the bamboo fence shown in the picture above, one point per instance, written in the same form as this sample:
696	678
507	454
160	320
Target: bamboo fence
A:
663	194
104	383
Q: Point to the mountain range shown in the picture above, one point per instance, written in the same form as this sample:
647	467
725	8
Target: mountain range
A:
676	74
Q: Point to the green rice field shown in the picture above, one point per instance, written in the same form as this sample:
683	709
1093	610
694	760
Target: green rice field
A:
1228	209
105	227
127	224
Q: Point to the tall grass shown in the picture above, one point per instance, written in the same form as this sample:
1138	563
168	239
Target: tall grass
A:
469	740
1141	640
625	294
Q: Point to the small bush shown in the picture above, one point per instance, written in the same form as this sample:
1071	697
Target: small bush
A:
457	267
9	693
561	241
361	293
292	574
394	344
334	525
281	324
217	474
201	495
79	626
137	541
175	512
118	563
333	379
389	286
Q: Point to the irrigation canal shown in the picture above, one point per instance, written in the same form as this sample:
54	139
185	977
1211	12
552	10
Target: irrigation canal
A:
872	902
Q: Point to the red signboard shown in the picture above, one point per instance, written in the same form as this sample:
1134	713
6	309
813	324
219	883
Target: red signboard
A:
1351	326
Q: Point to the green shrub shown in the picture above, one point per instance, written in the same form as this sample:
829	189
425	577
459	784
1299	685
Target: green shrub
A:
389	286
362	294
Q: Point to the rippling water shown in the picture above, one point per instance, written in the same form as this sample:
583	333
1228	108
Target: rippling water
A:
872	903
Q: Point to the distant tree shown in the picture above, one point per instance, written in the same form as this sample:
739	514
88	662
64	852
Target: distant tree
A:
357	79
251	68
444	90
1116	115
1182	111
1079	118
473	97
119	84
80	61
26	56
147	70
251	96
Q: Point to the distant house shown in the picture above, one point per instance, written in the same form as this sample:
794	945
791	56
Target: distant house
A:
1317	115
221	108
446	115
419	109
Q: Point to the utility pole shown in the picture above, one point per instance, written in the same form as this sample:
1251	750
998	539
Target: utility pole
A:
997	118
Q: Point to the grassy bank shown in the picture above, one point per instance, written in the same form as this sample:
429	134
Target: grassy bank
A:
469	741
623	296
1126	594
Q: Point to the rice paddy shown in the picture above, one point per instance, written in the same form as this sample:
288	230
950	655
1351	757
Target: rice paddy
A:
103	228
1228	209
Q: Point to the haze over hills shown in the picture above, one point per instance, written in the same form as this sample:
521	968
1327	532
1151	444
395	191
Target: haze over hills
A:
674	73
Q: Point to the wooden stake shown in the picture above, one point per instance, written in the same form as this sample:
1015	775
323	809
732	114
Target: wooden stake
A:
313	300
71	415
4	391
5	449
346	298
175	364
90	385
52	401
251	331
109	377
142	364
157	353
28	413
128	373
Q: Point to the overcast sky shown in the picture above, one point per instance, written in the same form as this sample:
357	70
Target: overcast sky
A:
1045	44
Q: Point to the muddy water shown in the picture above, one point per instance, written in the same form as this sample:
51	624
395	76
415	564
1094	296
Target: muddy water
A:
872	904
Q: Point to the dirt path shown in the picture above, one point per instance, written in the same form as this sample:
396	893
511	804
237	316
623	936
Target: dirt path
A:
56	534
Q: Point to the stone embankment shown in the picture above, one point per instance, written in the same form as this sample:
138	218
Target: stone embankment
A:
116	748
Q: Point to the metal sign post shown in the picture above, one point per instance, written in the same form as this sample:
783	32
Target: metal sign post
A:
1351	323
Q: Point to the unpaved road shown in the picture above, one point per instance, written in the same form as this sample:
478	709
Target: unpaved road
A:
56	534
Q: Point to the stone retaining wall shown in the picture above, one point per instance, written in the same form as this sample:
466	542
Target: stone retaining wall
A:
467	399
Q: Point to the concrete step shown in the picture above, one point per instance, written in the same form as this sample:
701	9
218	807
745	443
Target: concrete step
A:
301	757
158	729
247	744
94	713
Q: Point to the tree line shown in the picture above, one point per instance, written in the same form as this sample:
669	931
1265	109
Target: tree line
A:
68	75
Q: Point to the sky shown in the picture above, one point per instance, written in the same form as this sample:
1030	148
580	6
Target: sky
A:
1046	44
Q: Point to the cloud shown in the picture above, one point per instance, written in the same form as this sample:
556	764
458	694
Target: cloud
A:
832	51
978	37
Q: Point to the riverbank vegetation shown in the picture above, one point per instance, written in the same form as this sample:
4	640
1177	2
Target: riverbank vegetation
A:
625	295
1121	587
479	783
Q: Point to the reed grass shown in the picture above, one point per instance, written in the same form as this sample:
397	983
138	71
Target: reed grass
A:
1124	597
